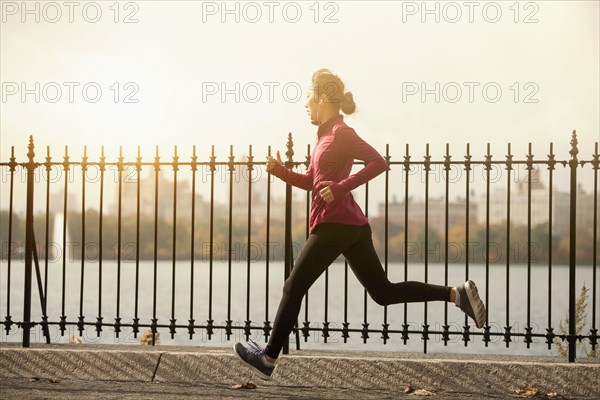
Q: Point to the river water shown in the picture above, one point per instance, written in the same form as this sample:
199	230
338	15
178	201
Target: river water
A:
235	300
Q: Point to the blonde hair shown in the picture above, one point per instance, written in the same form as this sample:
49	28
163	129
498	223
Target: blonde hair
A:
326	82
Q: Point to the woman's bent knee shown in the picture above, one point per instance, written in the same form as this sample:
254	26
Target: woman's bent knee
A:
380	297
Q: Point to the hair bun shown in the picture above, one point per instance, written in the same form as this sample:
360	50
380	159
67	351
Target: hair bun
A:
348	105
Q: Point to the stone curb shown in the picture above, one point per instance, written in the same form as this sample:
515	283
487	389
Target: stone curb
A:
351	371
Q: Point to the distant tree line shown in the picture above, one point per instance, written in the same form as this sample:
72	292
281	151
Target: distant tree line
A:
416	247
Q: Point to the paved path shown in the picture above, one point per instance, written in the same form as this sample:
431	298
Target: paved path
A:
19	388
168	372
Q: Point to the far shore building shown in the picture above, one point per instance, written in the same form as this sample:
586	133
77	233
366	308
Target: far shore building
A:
436	210
238	183
540	207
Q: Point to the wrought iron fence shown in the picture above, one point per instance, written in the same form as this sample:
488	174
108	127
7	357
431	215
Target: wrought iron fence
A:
407	166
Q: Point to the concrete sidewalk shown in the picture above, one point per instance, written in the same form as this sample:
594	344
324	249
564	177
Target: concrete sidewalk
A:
168	372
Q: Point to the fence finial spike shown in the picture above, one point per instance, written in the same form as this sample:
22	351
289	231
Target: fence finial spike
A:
290	151
427	162
175	159
13	163
447	158
157	160
231	162
468	158
574	150
551	160
30	152
488	158
509	158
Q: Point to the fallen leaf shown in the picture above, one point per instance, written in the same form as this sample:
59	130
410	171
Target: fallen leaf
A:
75	340
422	392
247	385
556	395
53	380
528	391
408	389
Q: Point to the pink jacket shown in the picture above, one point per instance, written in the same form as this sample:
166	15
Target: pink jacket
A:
337	147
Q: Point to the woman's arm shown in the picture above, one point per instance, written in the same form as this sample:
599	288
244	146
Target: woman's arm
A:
359	150
302	181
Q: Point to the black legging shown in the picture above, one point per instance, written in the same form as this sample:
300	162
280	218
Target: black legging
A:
323	246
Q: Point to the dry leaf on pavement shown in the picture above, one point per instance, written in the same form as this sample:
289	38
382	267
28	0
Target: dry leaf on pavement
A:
528	391
556	395
422	392
247	385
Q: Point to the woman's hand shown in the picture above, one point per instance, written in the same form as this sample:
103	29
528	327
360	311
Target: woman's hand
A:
326	193
273	163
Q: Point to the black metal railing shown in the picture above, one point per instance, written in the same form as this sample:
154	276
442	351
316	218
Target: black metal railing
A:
292	225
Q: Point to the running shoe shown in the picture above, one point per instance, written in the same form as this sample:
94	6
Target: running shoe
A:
470	303
254	357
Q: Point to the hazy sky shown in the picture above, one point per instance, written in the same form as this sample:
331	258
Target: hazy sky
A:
174	58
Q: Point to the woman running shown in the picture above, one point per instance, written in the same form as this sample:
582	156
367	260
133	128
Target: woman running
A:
337	225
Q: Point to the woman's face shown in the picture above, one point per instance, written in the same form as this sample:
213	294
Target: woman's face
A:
312	106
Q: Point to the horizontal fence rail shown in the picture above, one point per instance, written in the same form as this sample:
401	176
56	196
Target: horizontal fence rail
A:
205	241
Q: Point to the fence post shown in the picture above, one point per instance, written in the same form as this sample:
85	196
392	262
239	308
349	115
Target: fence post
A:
572	339
26	324
289	163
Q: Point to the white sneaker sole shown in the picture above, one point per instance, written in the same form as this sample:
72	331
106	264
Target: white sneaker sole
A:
253	368
476	304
